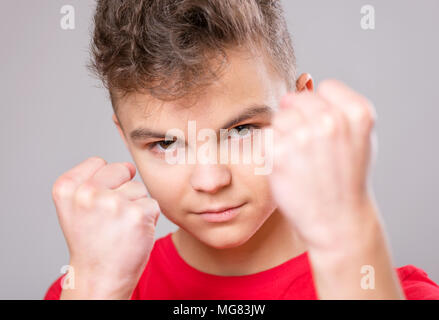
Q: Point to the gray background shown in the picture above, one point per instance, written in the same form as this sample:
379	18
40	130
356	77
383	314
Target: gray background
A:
54	115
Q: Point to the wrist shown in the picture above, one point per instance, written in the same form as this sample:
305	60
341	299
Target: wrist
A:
87	284
355	227
340	271
365	243
364	236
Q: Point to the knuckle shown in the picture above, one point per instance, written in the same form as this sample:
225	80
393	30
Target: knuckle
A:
302	136
280	123
149	205
285	120
137	215
110	203
362	113
148	211
329	125
97	159
62	188
371	116
327	84
343	124
154	205
85	195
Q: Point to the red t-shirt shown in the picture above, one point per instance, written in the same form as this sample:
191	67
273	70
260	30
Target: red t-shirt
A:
168	276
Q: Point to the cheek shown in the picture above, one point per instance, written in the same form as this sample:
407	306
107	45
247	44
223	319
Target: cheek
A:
265	200
165	184
257	188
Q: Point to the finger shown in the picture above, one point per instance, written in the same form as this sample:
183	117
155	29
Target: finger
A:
85	170
311	107
105	202
132	190
151	208
330	142
358	111
315	112
285	123
65	186
113	175
287	117
327	121
324	130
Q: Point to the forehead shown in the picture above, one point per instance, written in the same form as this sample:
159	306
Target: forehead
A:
247	80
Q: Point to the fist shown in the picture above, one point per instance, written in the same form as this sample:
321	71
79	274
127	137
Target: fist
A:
322	154
108	221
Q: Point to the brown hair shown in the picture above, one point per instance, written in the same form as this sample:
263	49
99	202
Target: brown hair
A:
172	47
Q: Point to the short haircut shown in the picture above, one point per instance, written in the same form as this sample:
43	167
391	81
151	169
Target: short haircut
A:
171	48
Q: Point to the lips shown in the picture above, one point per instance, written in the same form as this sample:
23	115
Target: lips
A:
220	214
219	209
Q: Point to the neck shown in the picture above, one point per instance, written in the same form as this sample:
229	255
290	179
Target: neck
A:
273	244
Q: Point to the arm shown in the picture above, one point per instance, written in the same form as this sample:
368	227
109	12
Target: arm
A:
109	223
361	268
322	153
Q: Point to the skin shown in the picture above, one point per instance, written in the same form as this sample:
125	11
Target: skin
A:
321	156
324	162
106	218
247	248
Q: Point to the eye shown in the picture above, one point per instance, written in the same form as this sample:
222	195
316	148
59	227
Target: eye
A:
162	145
242	131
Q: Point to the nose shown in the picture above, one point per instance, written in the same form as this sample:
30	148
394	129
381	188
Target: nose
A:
210	178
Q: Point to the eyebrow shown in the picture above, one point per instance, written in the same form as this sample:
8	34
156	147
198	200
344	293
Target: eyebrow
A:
252	111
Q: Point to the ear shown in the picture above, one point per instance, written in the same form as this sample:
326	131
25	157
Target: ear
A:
119	128
304	82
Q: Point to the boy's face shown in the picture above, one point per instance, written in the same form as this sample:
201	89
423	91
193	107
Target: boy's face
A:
184	190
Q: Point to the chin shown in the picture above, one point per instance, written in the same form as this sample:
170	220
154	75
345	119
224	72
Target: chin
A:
225	238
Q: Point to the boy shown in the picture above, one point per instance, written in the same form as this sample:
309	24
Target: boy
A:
308	229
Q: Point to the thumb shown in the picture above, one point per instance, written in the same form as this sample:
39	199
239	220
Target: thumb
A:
130	167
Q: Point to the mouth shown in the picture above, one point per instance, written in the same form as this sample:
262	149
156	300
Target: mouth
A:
221	214
220	209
